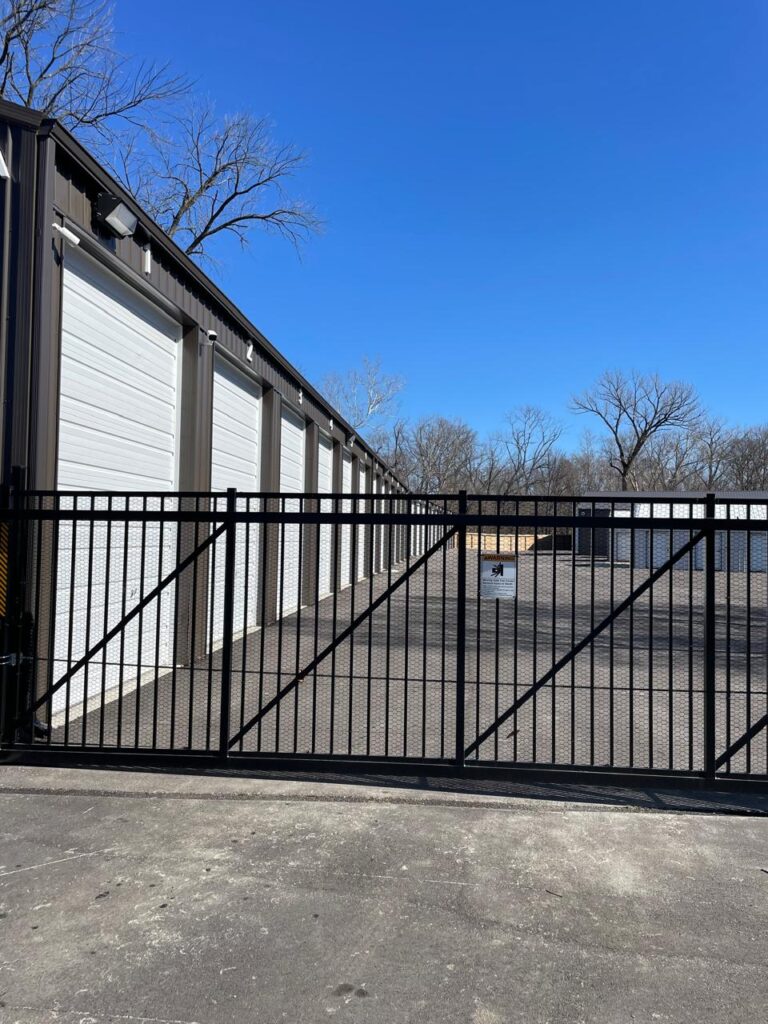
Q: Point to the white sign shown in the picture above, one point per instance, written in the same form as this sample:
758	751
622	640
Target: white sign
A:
498	576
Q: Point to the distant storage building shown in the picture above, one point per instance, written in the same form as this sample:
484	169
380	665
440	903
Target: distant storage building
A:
739	551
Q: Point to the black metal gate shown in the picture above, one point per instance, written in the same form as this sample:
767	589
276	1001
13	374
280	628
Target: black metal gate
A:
630	639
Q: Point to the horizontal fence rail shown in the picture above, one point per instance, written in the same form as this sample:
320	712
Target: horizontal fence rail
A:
623	635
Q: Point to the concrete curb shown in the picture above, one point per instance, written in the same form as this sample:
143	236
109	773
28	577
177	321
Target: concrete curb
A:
539	797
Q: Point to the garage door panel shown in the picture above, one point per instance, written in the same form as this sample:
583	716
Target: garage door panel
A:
143	355
345	540
147	425
86	454
82	368
235	462
91	283
292	440
362	531
325	486
117	431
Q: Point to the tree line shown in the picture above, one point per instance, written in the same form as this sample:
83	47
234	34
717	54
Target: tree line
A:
643	434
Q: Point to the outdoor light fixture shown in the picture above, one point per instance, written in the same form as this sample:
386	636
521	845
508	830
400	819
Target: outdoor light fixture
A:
112	213
249	352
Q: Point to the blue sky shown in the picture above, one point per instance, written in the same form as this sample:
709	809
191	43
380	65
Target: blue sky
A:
518	194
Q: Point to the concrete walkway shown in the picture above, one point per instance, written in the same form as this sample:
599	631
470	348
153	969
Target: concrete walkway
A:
171	899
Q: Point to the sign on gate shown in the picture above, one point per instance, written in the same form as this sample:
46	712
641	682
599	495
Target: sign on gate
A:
498	576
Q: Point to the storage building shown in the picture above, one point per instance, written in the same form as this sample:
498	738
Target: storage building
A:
123	367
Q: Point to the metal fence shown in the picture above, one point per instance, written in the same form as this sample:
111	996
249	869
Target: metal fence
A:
366	629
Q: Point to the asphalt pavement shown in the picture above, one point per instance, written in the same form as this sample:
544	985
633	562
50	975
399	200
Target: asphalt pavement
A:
140	897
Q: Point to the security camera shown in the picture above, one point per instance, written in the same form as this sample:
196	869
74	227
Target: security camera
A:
209	337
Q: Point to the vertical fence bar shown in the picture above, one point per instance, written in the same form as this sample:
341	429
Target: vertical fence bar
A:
709	639
461	626
229	623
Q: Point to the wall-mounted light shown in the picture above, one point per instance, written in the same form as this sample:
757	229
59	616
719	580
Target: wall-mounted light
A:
146	260
66	234
249	352
330	423
301	397
112	213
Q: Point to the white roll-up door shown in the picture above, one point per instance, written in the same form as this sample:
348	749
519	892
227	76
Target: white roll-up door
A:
291	481
622	539
345	558
325	486
117	432
380	507
235	462
362	531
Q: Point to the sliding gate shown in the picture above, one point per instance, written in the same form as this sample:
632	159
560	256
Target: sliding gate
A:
447	632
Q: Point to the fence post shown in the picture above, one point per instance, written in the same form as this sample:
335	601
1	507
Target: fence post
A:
709	638
229	622
461	627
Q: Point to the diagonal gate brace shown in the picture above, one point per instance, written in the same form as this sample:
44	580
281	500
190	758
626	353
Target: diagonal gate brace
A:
341	637
742	741
574	651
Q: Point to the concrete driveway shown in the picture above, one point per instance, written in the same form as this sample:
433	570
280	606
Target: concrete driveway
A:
147	897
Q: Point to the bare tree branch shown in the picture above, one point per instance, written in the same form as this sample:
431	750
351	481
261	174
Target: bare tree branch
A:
201	177
366	397
634	409
59	57
529	440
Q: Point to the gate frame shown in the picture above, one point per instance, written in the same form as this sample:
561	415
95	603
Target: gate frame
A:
13	511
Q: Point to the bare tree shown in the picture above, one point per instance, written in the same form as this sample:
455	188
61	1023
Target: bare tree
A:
441	454
712	441
201	177
585	471
747	464
635	409
488	472
390	442
366	397
59	57
669	462
529	440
